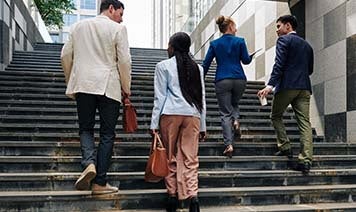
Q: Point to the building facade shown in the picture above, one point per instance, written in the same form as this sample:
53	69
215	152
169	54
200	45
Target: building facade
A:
84	9
21	27
170	16
328	25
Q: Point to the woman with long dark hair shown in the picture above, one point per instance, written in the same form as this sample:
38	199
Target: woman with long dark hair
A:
230	79
179	114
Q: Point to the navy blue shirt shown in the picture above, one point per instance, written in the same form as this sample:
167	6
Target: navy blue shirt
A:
229	52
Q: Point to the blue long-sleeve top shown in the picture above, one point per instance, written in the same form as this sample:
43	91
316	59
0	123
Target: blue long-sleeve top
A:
168	97
229	52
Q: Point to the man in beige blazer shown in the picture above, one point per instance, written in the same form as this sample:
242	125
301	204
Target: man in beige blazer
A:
97	64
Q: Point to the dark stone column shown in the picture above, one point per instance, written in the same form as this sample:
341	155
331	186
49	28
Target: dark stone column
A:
298	10
5	45
351	72
335	127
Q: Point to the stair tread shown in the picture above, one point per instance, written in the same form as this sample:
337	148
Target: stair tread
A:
147	144
277	208
202	191
202	173
205	158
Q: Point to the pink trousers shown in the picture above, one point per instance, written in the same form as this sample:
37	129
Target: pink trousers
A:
180	135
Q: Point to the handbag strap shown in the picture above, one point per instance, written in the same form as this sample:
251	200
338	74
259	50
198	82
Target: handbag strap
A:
157	139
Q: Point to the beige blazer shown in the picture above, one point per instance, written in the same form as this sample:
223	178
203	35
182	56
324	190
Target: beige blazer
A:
96	59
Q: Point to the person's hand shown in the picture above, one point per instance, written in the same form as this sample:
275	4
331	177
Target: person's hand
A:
264	92
125	94
202	136
153	132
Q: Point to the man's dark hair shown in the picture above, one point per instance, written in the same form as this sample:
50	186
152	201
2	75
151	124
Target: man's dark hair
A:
289	19
105	4
188	70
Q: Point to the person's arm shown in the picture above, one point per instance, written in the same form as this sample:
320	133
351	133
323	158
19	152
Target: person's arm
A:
203	112
67	58
123	59
311	61
280	61
208	59
245	57
277	72
160	95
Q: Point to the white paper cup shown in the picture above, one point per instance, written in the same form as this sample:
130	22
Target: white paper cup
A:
263	100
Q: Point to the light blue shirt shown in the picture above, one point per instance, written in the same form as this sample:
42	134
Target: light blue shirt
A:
169	99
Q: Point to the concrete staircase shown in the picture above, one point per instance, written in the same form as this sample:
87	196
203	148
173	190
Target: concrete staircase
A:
40	154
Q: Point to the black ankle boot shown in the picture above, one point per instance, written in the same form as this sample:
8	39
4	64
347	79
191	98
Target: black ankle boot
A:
194	205
172	204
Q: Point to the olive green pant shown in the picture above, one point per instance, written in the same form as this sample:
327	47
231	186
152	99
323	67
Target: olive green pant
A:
300	101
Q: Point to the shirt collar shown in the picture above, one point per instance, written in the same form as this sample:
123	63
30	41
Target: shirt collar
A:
103	16
292	32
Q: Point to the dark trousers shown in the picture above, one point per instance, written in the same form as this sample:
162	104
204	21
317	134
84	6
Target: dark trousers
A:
109	113
229	93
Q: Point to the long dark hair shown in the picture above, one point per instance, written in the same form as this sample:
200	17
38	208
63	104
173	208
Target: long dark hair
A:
188	70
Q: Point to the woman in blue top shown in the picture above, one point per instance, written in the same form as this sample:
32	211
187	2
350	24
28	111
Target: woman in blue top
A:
230	80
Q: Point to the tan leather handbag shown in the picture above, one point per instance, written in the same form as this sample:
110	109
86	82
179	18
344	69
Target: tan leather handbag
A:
157	164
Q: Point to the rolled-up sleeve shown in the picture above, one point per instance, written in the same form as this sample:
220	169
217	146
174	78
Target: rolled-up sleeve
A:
203	113
123	59
160	95
67	58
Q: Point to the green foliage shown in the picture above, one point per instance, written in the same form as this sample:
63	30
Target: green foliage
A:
52	11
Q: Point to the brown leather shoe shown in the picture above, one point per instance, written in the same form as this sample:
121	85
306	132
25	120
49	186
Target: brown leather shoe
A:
228	151
83	182
106	189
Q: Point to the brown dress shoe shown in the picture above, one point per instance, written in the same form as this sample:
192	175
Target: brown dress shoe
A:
106	189
83	182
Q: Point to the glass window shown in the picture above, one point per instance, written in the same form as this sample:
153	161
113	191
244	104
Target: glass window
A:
75	3
69	19
82	17
88	4
55	38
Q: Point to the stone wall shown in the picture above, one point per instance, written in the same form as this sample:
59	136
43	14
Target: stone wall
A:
331	29
328	25
17	30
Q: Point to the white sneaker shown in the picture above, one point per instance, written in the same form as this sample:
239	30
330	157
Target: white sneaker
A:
106	189
83	182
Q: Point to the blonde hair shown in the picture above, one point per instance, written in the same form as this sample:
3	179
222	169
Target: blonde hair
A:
224	22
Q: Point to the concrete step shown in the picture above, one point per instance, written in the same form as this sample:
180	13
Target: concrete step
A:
73	135
142	129
14	164
140	112
143	79
248	99
46	66
57	181
72	148
135	59
61	85
136	90
344	207
64	105
155	198
45	56
211	121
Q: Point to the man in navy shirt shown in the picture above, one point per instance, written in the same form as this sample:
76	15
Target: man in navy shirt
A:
291	83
